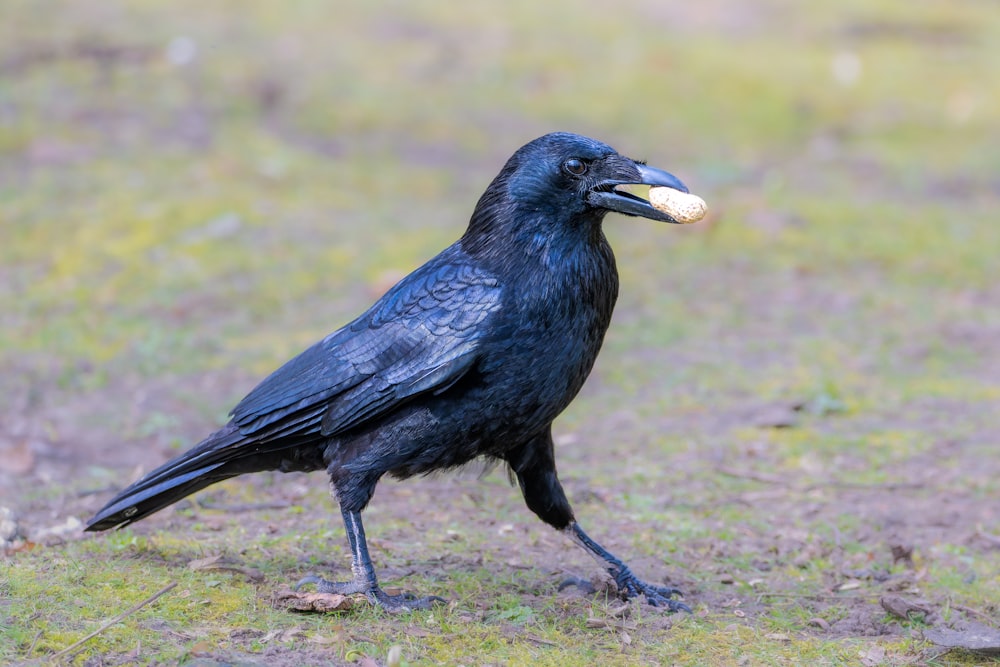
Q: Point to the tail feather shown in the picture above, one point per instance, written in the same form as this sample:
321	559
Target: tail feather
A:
133	504
220	456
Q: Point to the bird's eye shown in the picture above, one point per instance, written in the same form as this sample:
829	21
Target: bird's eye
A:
575	166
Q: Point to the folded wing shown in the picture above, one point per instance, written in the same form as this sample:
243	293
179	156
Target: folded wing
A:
422	336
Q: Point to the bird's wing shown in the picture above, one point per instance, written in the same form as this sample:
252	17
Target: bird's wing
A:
420	337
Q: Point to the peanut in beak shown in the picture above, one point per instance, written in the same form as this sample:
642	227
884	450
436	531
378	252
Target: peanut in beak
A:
683	207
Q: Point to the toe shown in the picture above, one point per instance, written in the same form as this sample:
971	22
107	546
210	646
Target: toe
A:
310	579
657	600
675	606
666	591
584	585
338	587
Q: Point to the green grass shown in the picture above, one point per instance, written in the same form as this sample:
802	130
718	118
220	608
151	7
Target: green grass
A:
210	609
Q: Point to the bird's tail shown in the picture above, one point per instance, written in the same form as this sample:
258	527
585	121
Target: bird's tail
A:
216	458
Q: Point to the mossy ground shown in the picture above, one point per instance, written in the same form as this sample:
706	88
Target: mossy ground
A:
192	192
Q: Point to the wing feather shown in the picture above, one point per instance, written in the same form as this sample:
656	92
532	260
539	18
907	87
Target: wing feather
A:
422	336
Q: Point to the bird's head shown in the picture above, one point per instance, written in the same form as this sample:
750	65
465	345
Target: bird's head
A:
565	180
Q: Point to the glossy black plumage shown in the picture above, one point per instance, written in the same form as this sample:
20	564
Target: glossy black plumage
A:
472	355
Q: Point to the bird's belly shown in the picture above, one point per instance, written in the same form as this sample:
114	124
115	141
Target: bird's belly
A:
515	399
486	416
526	378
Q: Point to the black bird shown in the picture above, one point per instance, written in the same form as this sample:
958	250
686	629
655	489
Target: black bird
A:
471	355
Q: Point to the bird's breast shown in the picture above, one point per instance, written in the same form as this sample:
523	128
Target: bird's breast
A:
550	330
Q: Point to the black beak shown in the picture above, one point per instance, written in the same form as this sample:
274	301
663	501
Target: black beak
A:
606	195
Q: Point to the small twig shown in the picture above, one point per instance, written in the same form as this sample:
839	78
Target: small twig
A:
816	596
825	484
538	640
888	486
983	535
102	490
131	610
756	477
34	642
244	507
974	612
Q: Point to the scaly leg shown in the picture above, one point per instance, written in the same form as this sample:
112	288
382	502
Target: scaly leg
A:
535	467
364	575
629	585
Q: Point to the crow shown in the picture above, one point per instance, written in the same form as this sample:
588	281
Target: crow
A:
473	355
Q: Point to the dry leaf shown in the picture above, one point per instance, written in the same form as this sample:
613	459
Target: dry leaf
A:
203	563
17	458
594	622
873	657
319	602
901	607
201	647
620	611
222	563
902	552
363	660
281	635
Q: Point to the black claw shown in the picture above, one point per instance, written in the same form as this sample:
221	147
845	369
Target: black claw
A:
309	579
338	587
672	606
665	591
583	584
659	596
630	586
378	597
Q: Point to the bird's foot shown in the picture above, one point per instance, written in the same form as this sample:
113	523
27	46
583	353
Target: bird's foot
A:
392	603
585	585
397	604
630	586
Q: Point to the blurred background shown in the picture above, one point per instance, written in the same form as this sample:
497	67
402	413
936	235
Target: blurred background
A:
192	192
180	179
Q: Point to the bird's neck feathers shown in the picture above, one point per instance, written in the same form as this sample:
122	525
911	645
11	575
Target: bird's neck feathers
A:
535	240
517	217
553	260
